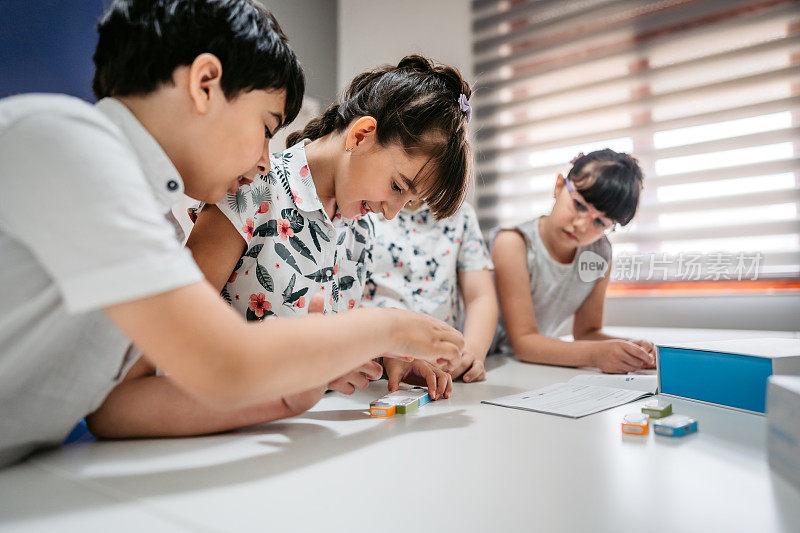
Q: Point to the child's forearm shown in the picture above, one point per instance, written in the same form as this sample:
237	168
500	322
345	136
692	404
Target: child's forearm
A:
155	407
216	356
593	335
480	324
598	335
536	348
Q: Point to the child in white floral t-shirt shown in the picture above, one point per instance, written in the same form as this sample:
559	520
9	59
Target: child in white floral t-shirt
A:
296	229
293	248
441	268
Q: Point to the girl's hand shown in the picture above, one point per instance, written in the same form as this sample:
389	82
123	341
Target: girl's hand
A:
471	368
357	379
423	337
650	348
476	373
617	356
303	401
439	382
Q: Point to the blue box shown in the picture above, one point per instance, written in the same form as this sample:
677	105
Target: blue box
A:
729	373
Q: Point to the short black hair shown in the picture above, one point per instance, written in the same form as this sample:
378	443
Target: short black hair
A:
610	181
142	42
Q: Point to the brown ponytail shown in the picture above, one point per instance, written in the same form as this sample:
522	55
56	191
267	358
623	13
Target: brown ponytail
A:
317	127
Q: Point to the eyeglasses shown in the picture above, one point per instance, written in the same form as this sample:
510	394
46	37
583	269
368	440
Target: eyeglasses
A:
582	209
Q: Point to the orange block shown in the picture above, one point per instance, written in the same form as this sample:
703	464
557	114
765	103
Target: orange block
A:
383	410
636	424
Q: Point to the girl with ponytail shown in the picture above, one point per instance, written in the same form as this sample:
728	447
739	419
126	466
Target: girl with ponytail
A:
295	229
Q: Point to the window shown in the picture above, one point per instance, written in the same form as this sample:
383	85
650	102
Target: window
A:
706	94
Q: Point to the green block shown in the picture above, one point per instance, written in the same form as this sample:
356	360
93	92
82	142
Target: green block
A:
657	409
407	408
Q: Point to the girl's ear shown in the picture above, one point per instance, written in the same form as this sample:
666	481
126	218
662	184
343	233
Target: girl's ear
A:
361	134
560	183
205	75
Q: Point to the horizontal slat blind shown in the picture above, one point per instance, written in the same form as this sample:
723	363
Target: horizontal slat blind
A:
706	94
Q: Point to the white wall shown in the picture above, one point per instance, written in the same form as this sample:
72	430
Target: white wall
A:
744	311
311	28
374	32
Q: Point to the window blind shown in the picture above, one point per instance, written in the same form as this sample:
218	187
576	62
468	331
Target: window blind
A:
706	94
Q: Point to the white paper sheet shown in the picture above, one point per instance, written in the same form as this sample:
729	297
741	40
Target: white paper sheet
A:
581	396
641	382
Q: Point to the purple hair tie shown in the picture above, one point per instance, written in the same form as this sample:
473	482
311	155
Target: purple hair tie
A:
463	104
576	158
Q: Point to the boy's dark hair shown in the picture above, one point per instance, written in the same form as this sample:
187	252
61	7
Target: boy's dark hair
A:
142	42
416	104
610	181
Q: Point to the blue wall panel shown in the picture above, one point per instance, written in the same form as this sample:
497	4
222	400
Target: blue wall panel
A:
47	46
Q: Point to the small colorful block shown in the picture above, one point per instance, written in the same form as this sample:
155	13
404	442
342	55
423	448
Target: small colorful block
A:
381	409
635	424
675	426
657	409
399	402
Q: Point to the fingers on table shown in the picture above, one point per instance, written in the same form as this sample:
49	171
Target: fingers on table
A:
431	379
394	376
476	373
448	390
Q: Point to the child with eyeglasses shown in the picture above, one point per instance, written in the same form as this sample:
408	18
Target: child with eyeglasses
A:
564	258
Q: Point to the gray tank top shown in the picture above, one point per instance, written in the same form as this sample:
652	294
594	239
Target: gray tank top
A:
557	289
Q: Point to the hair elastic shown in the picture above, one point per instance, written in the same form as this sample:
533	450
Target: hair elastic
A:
463	104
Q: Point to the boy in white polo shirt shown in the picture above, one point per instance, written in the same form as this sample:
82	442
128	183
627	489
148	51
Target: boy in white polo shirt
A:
89	261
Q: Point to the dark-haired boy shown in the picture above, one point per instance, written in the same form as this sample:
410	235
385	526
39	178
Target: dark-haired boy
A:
191	91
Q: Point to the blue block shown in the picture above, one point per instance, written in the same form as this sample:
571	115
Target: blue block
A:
424	399
731	373
675	426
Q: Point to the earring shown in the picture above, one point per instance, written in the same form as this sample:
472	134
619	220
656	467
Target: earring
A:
350	149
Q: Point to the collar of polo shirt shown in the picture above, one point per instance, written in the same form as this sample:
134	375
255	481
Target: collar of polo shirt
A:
157	166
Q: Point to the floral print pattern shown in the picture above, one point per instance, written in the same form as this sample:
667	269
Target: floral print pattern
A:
259	305
248	228
294	250
417	259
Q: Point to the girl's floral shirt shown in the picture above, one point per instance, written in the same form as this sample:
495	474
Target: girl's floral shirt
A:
417	260
294	250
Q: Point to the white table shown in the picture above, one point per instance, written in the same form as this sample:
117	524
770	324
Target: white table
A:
453	465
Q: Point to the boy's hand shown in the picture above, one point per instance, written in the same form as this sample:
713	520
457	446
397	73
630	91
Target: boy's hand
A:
424	338
471	368
439	382
357	379
619	356
303	401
